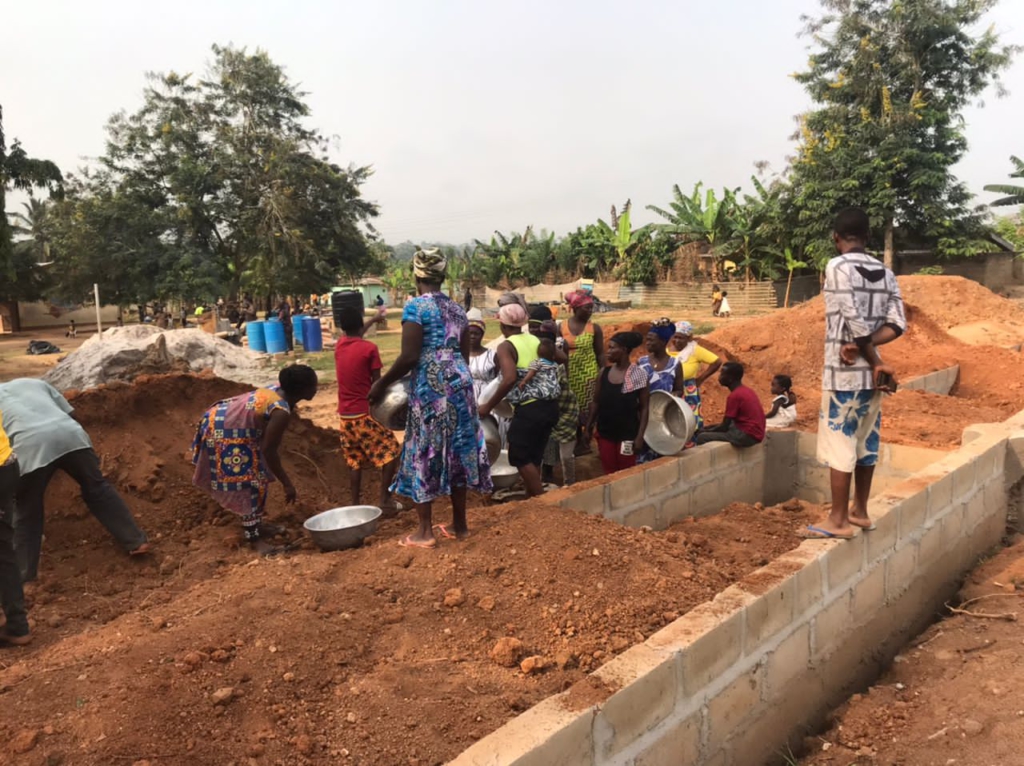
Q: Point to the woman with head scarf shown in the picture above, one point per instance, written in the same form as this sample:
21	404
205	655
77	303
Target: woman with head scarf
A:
535	405
584	343
690	357
561	444
619	410
444	453
663	370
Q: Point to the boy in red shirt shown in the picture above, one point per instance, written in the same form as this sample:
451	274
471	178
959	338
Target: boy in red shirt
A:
744	423
364	441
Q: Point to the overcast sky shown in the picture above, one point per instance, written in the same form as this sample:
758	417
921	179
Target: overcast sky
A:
476	115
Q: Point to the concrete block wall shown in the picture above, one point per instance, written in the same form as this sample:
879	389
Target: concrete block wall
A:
732	682
938	382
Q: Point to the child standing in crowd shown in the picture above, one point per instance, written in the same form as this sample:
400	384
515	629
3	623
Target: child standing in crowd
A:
783	411
544	368
364	441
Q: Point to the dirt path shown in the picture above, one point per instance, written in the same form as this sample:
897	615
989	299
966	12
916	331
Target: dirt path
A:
953	696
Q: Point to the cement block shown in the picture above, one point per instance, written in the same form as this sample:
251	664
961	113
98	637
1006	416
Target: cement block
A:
662	477
789	661
710	638
545	734
628	491
952	528
869	595
679	744
592	500
909	460
649	686
844	561
708	497
996	499
676	508
809	579
807	447
881	540
974	511
723	457
831	626
940	496
913	512
930	546
644	516
731	706
965	478
900	571
694	463
770	613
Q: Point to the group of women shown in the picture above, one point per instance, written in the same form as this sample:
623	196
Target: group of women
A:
444	452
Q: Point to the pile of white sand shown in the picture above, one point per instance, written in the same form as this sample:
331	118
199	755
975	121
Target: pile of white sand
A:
126	352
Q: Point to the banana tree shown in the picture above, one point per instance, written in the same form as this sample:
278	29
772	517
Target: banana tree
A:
700	217
792	264
1015	194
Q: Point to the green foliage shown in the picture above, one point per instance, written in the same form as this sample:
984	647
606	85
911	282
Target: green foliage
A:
930	271
20	277
699	217
890	81
1014	194
1011	228
214	185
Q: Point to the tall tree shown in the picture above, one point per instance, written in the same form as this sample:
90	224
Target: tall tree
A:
219	179
890	81
19	277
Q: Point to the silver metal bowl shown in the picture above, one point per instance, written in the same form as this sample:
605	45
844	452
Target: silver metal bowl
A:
393	410
341	528
670	423
502	409
492	437
503	476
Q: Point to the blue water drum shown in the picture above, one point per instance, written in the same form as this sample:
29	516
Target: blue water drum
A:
313	334
274	332
299	330
257	338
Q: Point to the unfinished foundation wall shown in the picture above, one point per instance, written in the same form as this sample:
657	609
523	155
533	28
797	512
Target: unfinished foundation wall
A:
732	681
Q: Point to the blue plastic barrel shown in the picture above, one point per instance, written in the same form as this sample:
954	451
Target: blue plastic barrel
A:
298	329
274	332
257	337
312	334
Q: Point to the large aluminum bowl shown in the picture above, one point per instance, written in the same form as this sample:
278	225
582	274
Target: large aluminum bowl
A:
670	423
492	437
503	476
393	410
502	409
341	528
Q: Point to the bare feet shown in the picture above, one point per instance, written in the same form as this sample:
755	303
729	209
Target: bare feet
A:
142	550
13	640
862	522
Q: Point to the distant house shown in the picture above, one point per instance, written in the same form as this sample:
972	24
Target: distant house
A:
370	287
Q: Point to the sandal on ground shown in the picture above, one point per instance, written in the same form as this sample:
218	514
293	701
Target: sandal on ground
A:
12	640
447	534
817	533
408	542
141	550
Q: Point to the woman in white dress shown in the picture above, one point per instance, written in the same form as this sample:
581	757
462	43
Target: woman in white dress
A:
483	363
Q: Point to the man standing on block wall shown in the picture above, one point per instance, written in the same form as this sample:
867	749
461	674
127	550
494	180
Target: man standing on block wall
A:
863	310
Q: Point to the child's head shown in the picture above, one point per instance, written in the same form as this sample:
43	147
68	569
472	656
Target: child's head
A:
350	320
546	349
781	384
725	293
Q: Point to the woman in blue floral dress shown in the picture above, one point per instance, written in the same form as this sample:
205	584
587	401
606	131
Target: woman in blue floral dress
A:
444	453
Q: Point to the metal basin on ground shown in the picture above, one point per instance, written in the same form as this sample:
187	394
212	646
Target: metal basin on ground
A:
503	475
492	437
502	409
341	528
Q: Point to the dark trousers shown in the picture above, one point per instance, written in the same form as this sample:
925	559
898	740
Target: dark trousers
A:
289	337
12	597
733	436
103	500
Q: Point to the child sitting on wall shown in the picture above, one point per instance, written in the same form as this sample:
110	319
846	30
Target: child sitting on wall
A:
783	411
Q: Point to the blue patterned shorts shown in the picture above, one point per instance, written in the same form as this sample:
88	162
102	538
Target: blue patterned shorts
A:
849	429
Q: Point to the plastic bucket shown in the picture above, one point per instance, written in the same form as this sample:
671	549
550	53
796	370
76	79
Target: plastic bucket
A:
346	299
257	336
313	337
274	332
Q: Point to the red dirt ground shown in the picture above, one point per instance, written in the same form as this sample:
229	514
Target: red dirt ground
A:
380	654
954	694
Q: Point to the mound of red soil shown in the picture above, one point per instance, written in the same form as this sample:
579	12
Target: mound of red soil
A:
382	655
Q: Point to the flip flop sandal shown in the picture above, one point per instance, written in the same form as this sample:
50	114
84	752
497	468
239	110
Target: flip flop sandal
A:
870	528
408	542
142	550
817	533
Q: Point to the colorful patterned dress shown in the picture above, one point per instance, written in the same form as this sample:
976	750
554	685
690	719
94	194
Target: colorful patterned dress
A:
444	444
228	454
583	367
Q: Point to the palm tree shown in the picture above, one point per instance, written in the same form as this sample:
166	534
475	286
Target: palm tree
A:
33	230
1015	194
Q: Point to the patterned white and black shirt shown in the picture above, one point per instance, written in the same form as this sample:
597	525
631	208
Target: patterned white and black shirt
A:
861	296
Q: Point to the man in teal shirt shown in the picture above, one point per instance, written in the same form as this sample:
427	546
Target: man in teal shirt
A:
38	419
